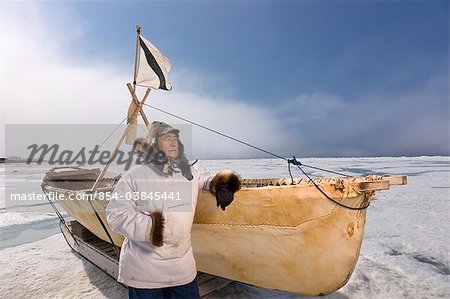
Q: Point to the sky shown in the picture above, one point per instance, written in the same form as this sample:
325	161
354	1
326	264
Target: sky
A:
303	78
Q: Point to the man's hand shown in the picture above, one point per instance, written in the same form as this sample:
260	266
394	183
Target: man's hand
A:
223	186
224	195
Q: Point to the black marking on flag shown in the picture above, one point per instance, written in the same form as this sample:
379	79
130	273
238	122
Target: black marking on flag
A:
154	65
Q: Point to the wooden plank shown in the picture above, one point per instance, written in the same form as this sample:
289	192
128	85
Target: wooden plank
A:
104	246
94	241
136	102
396	180
371	185
204	277
212	285
132	122
90	239
114	152
112	254
108	250
107	264
108	261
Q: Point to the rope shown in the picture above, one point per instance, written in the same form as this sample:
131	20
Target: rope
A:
290	173
60	216
297	163
238	140
116	250
289	161
216	132
325	170
112	132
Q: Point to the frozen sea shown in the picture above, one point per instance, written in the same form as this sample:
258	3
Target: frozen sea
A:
405	252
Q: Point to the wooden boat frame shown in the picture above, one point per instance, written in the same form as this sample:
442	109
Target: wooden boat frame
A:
102	254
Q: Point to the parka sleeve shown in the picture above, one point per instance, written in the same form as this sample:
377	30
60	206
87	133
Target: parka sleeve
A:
122	216
204	177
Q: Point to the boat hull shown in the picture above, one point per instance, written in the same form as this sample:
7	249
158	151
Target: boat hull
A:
287	238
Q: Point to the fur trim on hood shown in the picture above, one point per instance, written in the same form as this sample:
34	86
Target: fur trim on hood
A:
149	149
155	130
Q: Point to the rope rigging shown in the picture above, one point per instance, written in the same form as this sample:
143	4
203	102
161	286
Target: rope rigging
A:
109	136
58	213
293	161
240	141
297	163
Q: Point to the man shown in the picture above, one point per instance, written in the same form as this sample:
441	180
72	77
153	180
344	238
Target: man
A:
156	259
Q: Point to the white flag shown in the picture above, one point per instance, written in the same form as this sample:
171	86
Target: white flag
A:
153	67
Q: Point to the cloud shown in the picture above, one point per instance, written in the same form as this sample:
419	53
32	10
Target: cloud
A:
414	121
242	121
45	79
46	82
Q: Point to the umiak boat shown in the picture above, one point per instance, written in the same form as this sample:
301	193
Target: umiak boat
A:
297	235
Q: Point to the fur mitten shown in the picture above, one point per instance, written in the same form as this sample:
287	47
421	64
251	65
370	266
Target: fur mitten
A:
223	186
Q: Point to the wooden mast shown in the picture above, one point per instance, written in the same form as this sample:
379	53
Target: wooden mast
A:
138	33
133	112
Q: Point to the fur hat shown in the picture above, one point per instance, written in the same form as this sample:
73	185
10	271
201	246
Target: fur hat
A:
155	130
149	148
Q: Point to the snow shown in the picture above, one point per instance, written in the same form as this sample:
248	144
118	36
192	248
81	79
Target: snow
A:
49	269
16	218
405	252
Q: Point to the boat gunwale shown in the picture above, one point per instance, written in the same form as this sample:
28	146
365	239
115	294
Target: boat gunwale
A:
254	184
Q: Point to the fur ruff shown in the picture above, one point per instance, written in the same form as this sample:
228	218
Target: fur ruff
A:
141	146
157	228
230	178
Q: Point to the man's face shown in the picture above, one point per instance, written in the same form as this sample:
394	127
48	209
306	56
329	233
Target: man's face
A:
168	143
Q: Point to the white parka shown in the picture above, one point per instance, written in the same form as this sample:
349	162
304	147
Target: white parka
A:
141	264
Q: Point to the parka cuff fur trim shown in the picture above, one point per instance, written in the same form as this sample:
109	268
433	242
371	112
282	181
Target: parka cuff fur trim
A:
156	236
